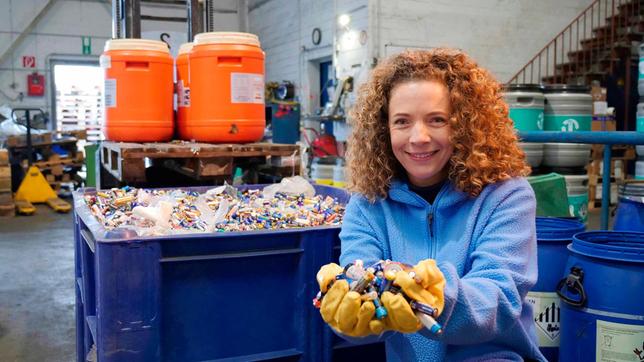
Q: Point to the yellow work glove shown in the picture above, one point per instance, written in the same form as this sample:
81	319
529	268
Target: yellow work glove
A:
344	310
426	286
400	316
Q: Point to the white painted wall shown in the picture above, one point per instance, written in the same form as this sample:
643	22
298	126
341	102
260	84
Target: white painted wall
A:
284	28
502	35
60	32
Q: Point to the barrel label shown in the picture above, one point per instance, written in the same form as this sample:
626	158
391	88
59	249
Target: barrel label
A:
546	313
246	88
619	342
567	123
110	93
527	119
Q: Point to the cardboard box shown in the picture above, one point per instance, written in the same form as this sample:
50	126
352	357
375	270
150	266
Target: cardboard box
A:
603	123
6	198
5	172
598	93
5	184
7	210
4	157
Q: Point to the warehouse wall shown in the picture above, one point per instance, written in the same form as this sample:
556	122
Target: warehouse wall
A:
61	29
502	35
285	28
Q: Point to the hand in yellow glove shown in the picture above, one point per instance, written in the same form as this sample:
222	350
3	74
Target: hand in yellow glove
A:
400	316
344	310
425	286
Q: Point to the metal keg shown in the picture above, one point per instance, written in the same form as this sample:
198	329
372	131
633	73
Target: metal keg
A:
640	77
568	108
640	119
526	103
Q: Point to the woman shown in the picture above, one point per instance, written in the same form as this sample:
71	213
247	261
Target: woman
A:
437	175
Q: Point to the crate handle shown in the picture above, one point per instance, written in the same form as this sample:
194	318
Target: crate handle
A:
251	254
89	239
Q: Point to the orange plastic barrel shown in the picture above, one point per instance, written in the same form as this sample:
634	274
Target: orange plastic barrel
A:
183	90
226	88
138	90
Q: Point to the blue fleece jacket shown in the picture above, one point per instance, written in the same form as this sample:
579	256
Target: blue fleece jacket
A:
486	248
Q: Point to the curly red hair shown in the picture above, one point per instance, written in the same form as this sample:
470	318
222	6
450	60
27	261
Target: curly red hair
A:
485	143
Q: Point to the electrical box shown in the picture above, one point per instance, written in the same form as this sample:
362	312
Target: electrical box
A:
35	85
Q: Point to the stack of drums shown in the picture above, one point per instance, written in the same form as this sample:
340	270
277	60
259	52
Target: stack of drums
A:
639	127
639	164
569	108
630	210
226	82
602	309
553	237
526	102
138	90
183	90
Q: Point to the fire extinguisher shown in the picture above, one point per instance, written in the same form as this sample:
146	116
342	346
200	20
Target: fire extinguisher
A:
35	85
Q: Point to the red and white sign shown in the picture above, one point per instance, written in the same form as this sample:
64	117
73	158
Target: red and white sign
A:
28	61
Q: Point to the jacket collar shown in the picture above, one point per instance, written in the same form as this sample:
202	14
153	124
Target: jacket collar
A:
448	195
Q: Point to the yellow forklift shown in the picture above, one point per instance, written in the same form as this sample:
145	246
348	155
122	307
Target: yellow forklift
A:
34	188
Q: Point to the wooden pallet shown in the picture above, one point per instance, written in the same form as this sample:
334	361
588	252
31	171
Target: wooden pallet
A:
36	138
127	161
7	210
618	152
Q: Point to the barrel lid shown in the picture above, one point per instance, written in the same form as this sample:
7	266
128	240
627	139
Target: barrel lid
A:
185	48
225	37
625	246
136	44
523	87
557	229
631	189
566	88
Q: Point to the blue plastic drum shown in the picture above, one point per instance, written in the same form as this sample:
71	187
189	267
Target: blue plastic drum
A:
630	210
553	237
602	309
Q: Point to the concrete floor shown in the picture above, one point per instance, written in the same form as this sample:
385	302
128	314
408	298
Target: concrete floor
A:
37	286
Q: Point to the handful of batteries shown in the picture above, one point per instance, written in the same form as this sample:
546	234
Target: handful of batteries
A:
372	281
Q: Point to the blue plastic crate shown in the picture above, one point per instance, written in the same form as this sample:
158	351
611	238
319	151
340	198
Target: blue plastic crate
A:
195	297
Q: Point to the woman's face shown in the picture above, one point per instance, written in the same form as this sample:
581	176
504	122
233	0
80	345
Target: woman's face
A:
418	123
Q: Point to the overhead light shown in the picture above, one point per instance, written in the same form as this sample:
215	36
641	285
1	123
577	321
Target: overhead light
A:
344	20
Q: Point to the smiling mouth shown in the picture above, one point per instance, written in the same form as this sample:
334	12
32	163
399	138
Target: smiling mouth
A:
420	156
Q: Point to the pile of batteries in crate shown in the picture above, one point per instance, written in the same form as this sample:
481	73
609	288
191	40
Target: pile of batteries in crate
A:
378	278
222	209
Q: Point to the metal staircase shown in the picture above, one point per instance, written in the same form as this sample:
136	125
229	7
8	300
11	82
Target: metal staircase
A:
600	44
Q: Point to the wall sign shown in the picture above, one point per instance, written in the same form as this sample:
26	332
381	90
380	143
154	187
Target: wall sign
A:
28	61
86	44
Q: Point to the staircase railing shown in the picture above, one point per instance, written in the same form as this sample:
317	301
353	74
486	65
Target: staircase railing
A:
586	47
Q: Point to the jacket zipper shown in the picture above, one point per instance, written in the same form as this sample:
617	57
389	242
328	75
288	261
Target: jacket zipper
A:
430	221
